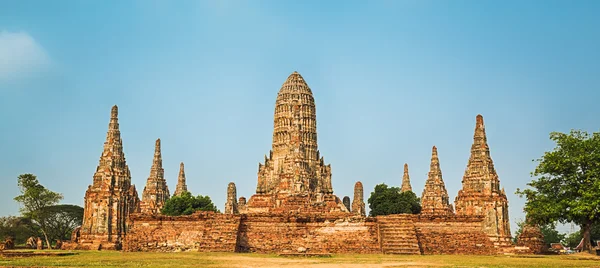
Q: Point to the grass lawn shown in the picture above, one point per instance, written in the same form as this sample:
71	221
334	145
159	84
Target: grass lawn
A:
233	260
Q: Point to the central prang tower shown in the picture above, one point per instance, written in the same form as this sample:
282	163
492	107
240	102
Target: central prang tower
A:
294	176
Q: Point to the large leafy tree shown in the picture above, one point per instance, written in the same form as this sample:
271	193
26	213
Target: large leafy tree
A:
62	220
386	200
566	184
34	199
186	204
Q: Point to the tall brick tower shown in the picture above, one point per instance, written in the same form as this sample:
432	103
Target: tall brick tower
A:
435	200
294	175
111	197
156	192
481	193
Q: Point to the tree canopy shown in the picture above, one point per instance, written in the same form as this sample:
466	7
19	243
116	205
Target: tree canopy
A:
386	200
566	184
34	199
186	204
62	220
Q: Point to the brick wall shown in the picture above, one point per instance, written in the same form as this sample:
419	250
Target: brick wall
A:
318	233
202	231
453	235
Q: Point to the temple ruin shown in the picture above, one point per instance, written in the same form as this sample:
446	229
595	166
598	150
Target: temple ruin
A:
181	184
111	197
156	192
294	206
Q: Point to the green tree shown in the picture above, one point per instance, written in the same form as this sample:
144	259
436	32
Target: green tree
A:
573	239
566	187
551	235
18	228
386	200
34	199
62	220
186	204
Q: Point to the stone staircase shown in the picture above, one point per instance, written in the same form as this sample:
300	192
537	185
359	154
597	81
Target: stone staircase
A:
397	234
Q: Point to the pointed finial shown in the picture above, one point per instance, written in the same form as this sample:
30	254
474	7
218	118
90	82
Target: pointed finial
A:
181	166
405	168
479	120
114	112
157	145
434	151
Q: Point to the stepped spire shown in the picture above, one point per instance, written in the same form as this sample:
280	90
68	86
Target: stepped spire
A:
406	180
294	175
480	175
156	191
111	185
481	193
181	185
435	200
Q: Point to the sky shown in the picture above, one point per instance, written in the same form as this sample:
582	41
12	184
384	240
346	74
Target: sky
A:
390	80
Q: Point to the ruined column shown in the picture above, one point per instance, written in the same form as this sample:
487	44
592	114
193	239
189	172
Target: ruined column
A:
231	206
242	205
181	184
405	180
347	203
358	205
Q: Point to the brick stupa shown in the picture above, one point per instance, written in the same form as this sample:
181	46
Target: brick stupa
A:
181	183
156	192
294	177
481	194
111	197
435	200
406	187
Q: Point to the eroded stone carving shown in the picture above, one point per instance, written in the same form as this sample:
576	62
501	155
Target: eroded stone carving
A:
231	206
358	205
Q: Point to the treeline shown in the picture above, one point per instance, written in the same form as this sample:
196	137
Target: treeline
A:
41	215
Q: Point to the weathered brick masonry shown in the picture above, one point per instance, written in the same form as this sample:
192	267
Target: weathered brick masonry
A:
294	208
317	233
203	231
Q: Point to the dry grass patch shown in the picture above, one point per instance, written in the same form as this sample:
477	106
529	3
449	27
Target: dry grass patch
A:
234	260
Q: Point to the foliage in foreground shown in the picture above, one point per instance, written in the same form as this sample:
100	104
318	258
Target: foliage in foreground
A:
186	204
386	200
35	199
566	187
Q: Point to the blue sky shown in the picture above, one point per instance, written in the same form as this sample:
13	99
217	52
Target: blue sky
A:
390	78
